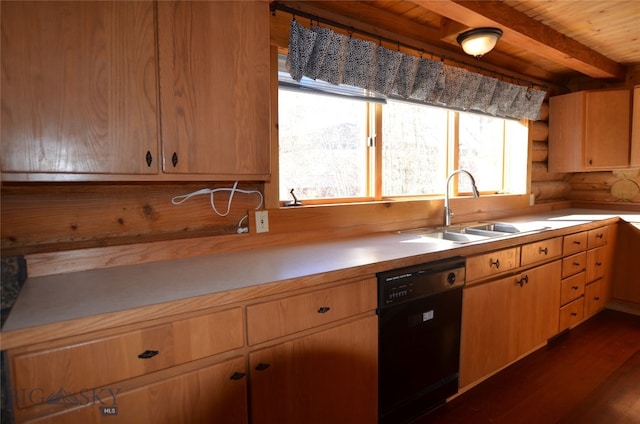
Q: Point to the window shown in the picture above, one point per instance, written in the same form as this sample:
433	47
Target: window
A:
336	149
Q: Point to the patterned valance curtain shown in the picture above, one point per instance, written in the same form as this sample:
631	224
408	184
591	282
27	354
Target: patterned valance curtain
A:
321	53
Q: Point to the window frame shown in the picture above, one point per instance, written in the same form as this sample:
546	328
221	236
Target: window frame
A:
374	163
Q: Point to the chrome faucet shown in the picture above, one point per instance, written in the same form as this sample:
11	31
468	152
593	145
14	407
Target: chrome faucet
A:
447	211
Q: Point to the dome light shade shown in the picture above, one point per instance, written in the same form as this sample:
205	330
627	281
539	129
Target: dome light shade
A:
480	41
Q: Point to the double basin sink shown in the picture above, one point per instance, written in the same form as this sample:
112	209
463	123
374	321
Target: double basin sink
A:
478	231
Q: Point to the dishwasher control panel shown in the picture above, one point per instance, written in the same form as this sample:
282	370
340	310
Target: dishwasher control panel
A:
418	281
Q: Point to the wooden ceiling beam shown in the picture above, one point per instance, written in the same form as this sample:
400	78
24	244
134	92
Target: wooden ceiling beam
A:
523	31
361	15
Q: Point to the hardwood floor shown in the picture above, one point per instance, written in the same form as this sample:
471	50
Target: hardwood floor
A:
589	375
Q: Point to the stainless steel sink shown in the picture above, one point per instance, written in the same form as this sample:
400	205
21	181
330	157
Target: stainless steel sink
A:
455	236
469	233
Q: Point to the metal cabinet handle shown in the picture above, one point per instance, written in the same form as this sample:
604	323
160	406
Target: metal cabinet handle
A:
148	354
576	263
577	242
496	263
149	158
598	263
262	366
323	309
575	287
237	376
522	281
544	250
599	235
174	159
596	298
573	314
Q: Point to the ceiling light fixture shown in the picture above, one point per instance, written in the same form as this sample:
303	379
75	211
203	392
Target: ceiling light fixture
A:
480	41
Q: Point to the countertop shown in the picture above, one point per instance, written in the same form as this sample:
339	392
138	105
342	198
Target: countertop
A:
57	299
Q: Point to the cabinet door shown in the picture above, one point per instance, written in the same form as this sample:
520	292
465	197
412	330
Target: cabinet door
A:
486	342
594	298
79	87
606	142
326	377
538	308
214	87
214	394
596	265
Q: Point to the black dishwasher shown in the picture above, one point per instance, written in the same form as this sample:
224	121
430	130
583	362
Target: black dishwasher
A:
419	310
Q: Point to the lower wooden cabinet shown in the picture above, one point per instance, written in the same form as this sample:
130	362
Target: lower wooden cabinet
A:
326	377
506	318
212	394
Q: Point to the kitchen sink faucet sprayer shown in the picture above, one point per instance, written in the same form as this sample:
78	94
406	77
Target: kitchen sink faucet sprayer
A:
447	211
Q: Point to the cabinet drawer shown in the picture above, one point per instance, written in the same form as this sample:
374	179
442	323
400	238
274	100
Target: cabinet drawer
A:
571	314
574	264
541	250
594	298
100	362
212	394
572	288
493	263
574	243
595	263
597	237
270	320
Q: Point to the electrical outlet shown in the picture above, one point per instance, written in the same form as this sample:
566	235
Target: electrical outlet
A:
262	222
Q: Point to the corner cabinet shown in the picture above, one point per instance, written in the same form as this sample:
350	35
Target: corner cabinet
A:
79	90
590	131
214	87
102	91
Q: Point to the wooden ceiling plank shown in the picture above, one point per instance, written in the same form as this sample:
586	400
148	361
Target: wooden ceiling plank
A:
521	30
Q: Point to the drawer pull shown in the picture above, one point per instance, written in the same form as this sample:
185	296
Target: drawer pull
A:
576	263
577	242
323	310
496	263
596	298
148	354
237	376
574	314
544	250
598	263
575	287
262	366
524	280
599	235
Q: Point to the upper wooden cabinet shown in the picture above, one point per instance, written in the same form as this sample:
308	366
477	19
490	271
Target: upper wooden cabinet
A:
635	128
86	86
214	87
589	131
79	87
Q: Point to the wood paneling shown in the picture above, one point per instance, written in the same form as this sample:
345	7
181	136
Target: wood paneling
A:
49	217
